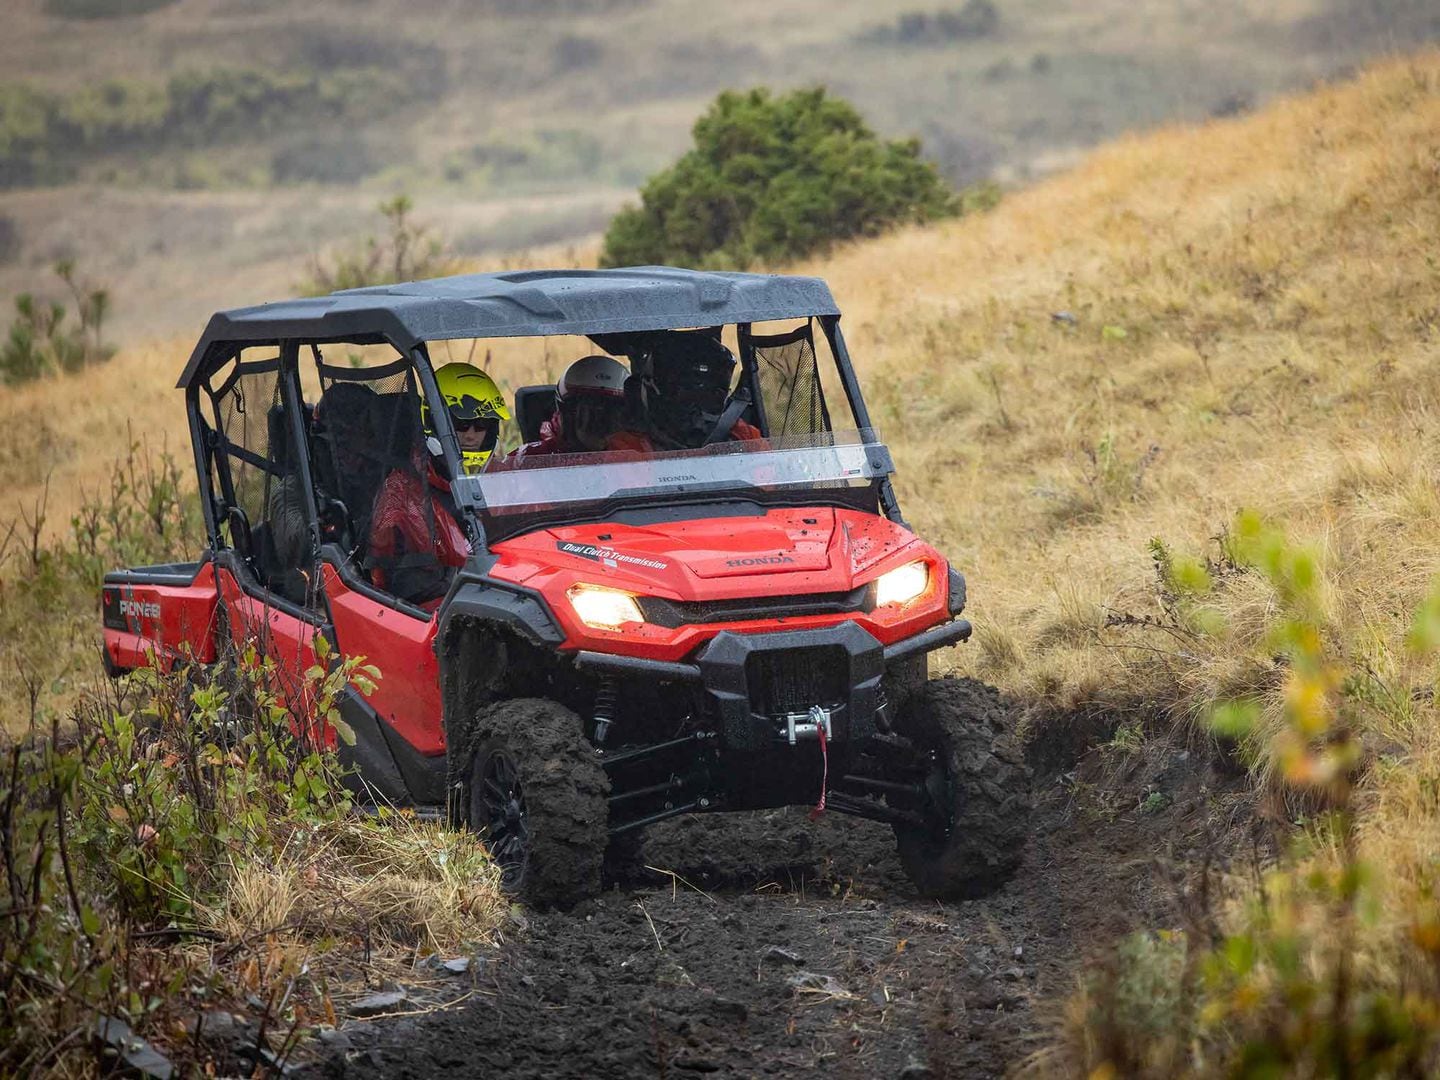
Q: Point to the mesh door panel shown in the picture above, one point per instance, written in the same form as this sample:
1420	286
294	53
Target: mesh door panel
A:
790	392
246	411
370	453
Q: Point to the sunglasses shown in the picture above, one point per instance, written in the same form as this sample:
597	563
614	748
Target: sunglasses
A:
480	423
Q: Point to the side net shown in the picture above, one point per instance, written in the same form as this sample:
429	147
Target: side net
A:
380	496
258	473
791	399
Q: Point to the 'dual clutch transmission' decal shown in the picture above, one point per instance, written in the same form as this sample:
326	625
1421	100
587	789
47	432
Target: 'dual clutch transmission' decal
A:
608	556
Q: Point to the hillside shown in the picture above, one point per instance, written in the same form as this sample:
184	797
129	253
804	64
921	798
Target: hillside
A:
194	154
1204	319
1240	313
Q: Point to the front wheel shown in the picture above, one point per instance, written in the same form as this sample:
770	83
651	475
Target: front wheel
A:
978	798
533	787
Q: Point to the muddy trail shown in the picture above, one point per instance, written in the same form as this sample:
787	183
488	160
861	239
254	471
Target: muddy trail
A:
777	946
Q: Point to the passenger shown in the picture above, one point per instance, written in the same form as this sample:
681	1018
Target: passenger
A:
591	414
692	404
416	541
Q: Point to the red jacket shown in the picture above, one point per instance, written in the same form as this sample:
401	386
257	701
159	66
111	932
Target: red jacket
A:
413	521
552	441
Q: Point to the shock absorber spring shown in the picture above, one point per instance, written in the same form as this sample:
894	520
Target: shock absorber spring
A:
607	695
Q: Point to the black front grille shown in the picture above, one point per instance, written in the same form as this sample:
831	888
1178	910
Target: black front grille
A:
673	613
791	681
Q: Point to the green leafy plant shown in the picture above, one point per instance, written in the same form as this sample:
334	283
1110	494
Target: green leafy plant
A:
776	177
1304	978
407	251
42	341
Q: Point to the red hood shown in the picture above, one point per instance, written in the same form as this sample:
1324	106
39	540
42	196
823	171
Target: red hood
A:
782	551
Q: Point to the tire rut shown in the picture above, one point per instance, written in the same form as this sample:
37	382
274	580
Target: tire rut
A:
658	978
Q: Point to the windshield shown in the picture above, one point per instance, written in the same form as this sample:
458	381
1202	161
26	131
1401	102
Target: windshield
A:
828	460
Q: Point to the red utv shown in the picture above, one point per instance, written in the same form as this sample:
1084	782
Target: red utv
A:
729	625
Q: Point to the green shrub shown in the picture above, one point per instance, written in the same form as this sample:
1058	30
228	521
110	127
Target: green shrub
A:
407	252
1311	975
147	513
179	842
45	138
42	342
130	831
977	19
103	9
774	178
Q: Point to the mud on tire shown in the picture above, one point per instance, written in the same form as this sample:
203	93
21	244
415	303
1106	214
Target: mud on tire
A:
978	779
558	807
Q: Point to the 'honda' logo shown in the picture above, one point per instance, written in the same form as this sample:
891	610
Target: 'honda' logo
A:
760	560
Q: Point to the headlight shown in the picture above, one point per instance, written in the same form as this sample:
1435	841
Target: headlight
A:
603	609
902	584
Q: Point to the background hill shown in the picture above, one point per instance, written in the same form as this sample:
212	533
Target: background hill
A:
194	153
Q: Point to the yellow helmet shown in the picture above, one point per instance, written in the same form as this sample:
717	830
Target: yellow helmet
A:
474	403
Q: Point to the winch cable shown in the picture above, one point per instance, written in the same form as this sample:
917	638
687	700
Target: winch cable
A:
824	773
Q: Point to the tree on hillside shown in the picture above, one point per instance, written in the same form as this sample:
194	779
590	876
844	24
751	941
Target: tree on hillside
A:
773	178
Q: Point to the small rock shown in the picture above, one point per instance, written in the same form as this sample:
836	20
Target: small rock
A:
336	1039
458	966
1019	951
1065	318
212	1023
778	954
880	996
915	1070
697	1064
730	1009
378	1003
1014	974
811	982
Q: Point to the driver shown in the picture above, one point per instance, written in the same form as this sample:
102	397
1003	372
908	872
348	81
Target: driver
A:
590	415
692	404
416	541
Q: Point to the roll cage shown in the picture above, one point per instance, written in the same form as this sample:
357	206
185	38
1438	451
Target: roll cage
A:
615	309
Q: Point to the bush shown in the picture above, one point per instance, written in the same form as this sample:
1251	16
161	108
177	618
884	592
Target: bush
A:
9	239
183	842
772	179
42	342
977	19
46	137
103	9
409	252
1330	963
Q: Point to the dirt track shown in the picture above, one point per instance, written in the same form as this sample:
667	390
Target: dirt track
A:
660	979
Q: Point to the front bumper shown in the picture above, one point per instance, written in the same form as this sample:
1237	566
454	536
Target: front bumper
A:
755	682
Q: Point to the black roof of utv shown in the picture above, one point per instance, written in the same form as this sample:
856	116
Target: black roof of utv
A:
526	303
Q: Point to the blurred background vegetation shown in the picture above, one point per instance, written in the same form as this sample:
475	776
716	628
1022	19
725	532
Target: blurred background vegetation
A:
147	137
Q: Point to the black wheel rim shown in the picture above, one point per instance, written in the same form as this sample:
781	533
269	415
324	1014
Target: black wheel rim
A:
497	807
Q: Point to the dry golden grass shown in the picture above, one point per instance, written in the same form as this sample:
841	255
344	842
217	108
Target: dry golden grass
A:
357	903
73	430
